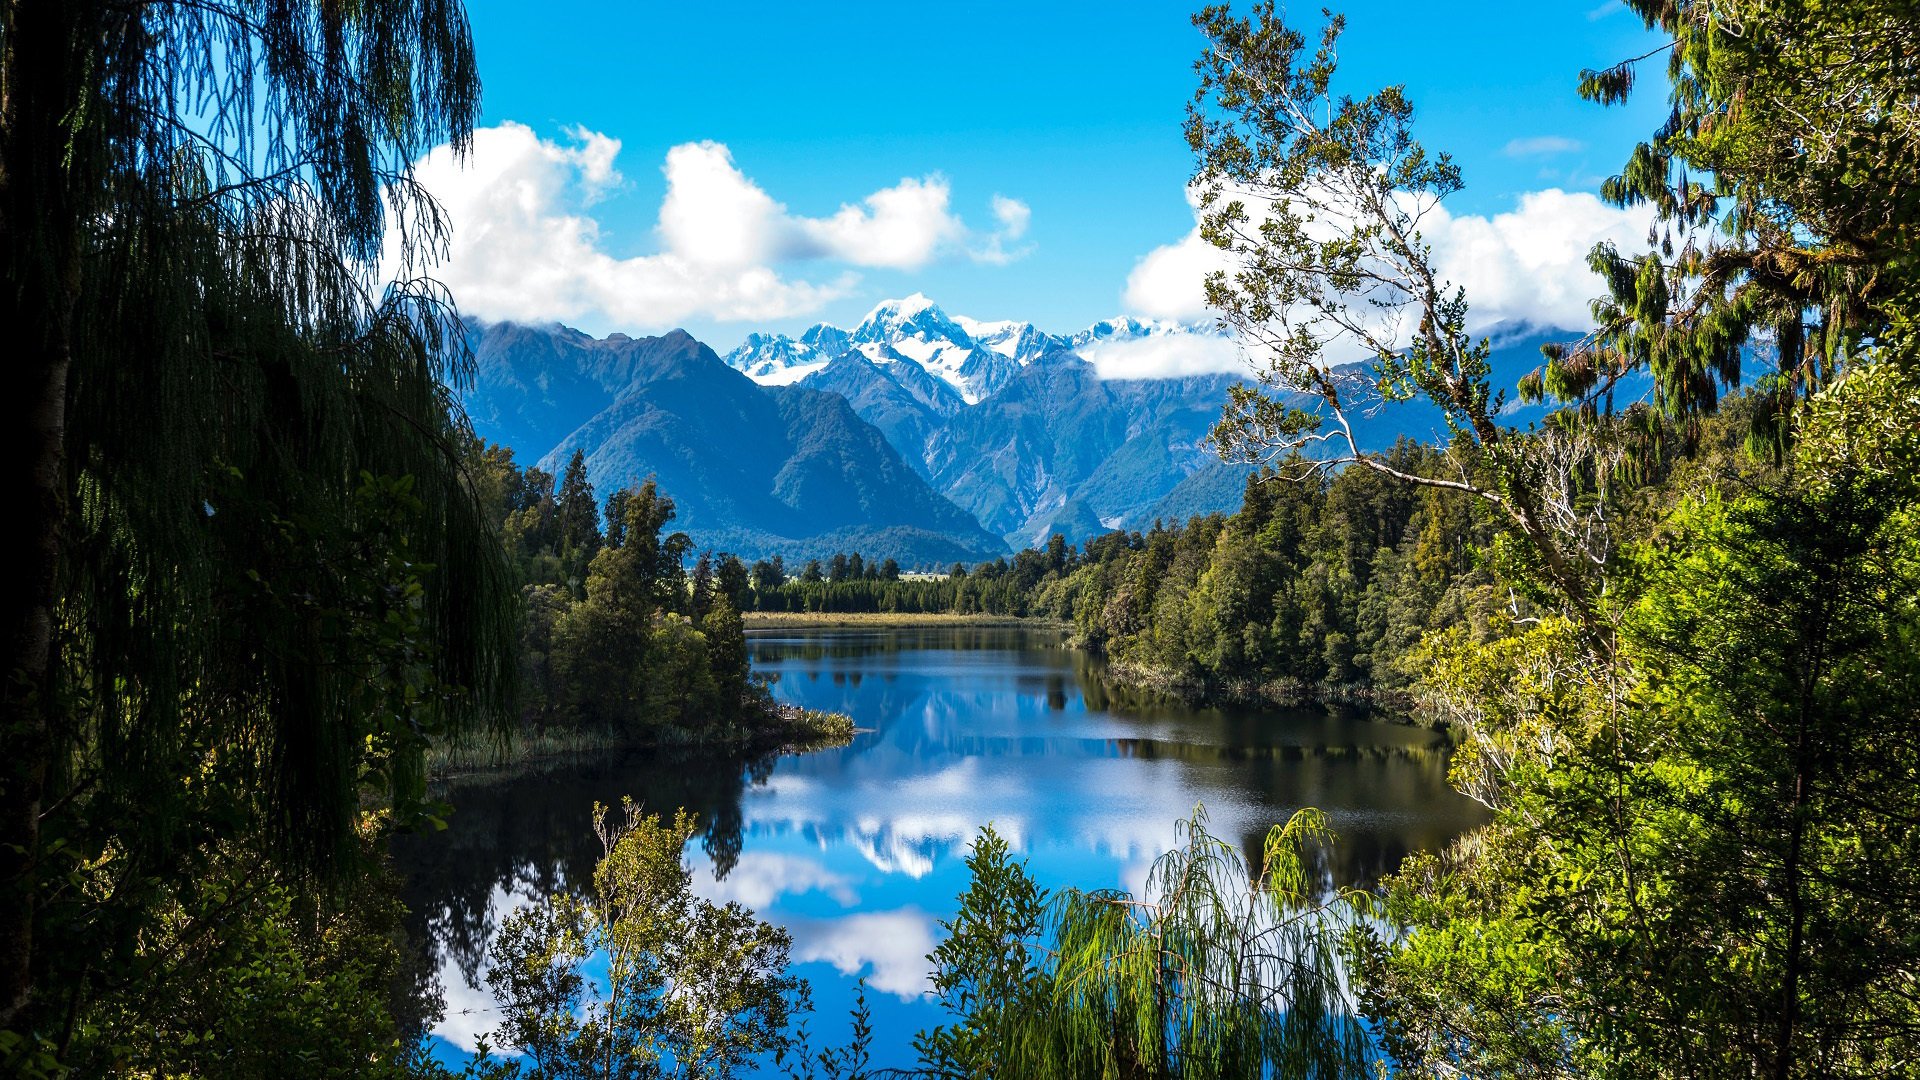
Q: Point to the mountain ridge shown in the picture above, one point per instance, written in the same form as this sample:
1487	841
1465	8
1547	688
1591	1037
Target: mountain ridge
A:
981	434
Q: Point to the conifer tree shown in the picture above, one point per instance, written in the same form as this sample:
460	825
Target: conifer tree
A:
1783	183
577	511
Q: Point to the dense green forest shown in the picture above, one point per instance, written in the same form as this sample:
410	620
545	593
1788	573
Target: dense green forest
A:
1324	584
616	638
267	568
1321	582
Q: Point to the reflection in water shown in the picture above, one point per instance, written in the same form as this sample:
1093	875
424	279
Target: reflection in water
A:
857	851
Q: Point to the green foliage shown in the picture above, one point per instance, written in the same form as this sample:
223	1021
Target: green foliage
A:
240	976
1325	583
692	989
1787	211
616	639
1316	199
987	970
1216	972
1701	835
257	578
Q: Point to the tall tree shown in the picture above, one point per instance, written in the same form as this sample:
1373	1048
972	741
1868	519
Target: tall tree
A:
702	595
731	580
1783	184
578	511
194	199
616	514
1318	200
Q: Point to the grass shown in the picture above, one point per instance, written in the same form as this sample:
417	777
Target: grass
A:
486	755
776	620
814	729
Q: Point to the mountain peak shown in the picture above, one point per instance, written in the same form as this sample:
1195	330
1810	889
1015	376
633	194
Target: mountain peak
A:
913	317
904	308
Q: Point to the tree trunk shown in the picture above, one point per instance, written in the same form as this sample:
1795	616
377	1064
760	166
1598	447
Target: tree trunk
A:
41	73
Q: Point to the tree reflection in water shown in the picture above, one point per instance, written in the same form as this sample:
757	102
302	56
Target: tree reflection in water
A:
966	725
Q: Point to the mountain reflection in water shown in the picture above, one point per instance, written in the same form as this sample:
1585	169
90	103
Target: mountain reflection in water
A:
858	851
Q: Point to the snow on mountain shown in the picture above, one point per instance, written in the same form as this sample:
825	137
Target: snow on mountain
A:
1126	328
1021	342
974	357
825	340
765	358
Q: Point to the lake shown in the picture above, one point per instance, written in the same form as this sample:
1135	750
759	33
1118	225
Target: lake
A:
859	851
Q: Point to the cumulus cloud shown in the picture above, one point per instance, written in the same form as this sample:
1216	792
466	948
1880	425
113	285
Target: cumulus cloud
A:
1013	216
1527	265
526	246
1167	282
900	227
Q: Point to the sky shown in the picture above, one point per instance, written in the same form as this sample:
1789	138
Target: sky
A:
739	167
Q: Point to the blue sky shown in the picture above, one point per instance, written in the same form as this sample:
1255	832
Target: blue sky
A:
1070	110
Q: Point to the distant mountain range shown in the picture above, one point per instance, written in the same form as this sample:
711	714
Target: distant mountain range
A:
759	471
914	435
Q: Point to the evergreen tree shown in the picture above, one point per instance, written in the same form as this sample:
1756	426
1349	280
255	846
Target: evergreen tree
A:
702	598
768	576
578	512
727	654
1782	181
616	517
576	520
731	580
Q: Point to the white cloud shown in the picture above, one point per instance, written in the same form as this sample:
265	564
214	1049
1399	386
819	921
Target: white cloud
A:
901	227
524	245
1165	356
713	215
758	878
1530	264
1541	145
1013	216
890	947
1527	265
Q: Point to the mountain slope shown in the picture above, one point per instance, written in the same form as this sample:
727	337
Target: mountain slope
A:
755	470
1015	428
534	384
1060	438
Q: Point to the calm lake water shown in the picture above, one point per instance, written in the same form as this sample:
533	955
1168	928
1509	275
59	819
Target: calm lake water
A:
859	851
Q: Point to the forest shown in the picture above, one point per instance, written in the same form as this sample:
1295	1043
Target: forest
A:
1673	630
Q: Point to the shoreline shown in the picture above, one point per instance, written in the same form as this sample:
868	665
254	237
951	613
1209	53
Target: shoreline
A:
808	620
783	729
1394	706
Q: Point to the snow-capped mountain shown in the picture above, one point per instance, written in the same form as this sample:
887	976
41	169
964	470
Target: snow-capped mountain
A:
1020	342
1126	328
775	359
974	357
1024	432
